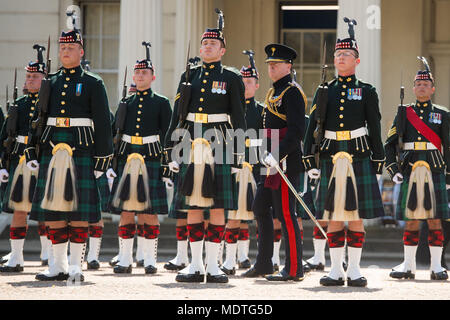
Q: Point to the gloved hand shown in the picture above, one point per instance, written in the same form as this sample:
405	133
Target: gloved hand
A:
33	165
269	161
4	175
314	174
234	170
98	174
168	182
110	174
398	178
447	186
174	166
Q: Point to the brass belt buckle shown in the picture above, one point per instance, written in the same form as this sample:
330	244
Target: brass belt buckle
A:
420	145
342	135
201	117
62	122
136	140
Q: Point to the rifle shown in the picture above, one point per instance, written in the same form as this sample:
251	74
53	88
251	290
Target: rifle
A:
7	100
11	126
321	107
185	93
120	122
39	124
401	122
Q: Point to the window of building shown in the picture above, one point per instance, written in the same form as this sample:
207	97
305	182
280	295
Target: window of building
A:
306	28
101	28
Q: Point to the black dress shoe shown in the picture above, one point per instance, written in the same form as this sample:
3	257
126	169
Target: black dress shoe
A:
283	276
150	269
120	269
318	267
44	262
276	268
190	277
174	267
113	262
228	271
17	268
360	282
402	275
76	277
306	268
252	273
327	281
59	277
439	275
140	263
93	265
220	278
246	264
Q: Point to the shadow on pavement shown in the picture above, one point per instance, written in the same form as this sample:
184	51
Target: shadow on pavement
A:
200	286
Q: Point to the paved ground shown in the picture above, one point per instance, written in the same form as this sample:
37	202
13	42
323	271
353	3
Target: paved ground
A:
105	285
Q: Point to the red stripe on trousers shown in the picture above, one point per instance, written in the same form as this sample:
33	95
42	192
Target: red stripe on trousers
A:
289	227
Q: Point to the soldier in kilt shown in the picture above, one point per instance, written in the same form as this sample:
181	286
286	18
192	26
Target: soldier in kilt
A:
216	105
283	124
75	150
351	159
139	188
19	180
418	158
237	222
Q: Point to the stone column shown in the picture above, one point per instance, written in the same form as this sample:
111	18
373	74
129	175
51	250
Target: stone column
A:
140	20
192	19
367	14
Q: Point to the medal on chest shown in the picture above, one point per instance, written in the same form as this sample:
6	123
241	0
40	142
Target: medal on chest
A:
354	94
219	87
435	118
78	89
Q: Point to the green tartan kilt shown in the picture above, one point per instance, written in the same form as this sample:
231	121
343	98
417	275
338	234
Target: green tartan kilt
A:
157	188
89	202
5	188
103	192
307	197
370	205
226	195
442	206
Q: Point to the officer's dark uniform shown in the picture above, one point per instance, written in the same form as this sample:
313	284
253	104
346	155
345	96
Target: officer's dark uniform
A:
78	119
23	190
216	103
284	113
147	119
419	125
352	132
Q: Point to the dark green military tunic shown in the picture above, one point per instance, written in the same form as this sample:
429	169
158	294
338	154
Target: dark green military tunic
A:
352	104
437	119
76	93
148	114
26	106
253	119
216	89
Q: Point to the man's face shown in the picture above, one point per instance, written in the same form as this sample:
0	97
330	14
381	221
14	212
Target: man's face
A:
33	81
143	78
423	89
70	54
211	50
345	61
251	85
278	70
